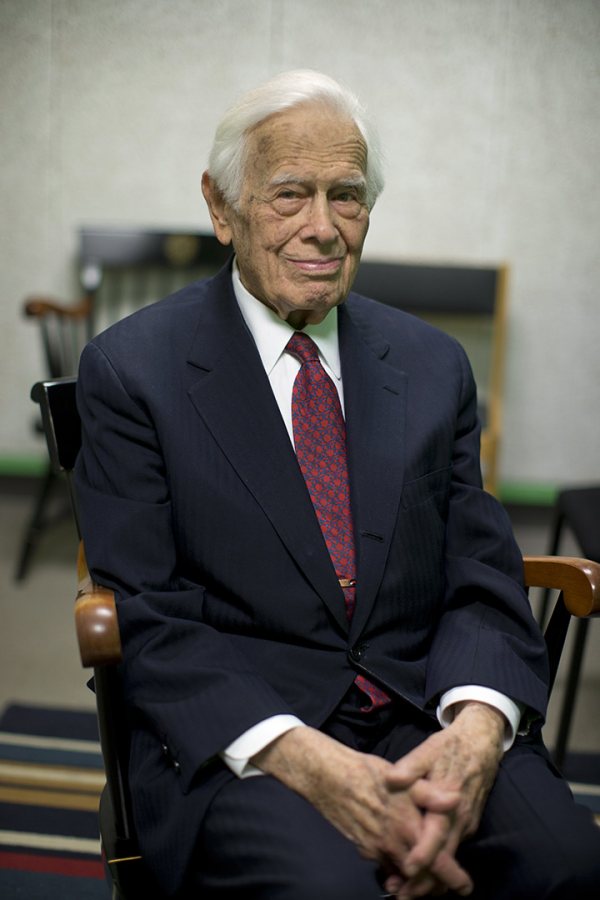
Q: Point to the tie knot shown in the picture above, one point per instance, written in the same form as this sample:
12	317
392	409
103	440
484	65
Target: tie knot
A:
303	347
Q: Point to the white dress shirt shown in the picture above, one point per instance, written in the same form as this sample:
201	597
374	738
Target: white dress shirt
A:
271	335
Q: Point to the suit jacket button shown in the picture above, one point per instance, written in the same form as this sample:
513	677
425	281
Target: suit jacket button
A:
357	653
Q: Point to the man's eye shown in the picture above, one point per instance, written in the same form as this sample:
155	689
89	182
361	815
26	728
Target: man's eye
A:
349	197
348	203
287	202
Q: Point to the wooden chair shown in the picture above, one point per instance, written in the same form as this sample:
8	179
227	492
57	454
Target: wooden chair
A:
120	270
578	511
468	302
64	330
100	649
124	269
99	641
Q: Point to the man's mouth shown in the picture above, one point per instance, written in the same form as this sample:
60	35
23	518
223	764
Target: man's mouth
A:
318	266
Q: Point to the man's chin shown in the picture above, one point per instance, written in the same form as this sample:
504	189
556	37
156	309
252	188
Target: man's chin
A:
300	316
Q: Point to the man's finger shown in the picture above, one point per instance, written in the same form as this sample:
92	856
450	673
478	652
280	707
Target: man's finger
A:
448	871
415	764
432	797
432	857
432	840
426	885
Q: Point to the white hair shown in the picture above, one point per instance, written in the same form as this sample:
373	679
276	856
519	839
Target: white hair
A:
228	153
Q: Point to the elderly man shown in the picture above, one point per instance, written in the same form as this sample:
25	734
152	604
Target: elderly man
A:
313	588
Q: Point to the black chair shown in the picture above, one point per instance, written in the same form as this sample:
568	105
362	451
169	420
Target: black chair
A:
100	647
120	270
468	302
64	331
577	510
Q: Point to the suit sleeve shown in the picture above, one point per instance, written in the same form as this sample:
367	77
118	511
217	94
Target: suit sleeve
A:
191	687
487	634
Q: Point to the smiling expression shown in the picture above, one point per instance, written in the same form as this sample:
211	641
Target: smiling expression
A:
302	218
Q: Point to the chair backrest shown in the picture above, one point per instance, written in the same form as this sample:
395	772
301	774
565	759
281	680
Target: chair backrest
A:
60	419
126	268
62	427
64	331
120	270
468	302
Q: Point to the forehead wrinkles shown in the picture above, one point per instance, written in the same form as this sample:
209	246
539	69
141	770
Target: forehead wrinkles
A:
312	145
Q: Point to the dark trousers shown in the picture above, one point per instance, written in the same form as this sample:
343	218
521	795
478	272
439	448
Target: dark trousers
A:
261	840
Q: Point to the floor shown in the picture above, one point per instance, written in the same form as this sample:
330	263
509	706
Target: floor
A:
39	661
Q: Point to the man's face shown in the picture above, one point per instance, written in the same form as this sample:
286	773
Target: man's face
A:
302	219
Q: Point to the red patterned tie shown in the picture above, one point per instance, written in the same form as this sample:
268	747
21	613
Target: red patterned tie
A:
320	441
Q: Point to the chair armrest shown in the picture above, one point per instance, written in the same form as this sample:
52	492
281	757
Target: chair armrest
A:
97	627
38	307
96	621
578	579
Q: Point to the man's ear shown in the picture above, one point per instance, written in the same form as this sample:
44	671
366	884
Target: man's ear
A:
218	209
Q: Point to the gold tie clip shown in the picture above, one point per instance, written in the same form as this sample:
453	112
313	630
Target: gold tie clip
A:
347	582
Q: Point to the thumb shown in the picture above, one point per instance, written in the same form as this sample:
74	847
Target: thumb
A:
406	770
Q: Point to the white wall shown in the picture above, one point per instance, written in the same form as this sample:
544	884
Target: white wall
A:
488	110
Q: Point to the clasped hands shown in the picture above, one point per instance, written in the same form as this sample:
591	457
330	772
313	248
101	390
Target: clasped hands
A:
408	816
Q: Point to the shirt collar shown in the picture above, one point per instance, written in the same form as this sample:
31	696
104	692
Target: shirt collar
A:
271	333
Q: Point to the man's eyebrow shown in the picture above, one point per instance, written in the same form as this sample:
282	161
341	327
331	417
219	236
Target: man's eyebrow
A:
353	181
287	178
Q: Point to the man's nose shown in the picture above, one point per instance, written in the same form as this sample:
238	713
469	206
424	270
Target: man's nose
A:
320	224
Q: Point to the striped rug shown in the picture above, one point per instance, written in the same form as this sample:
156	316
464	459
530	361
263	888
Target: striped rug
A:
50	781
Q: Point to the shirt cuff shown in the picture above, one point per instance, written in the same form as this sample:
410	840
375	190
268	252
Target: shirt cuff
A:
511	710
238	754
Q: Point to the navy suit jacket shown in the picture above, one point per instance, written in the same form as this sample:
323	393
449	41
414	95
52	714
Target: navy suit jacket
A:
194	509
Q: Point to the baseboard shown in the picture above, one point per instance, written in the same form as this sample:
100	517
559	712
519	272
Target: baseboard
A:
25	465
527	494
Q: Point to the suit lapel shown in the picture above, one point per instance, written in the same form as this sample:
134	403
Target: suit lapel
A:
231	392
375	408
